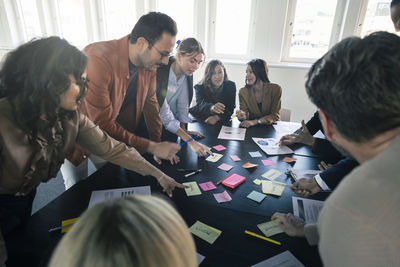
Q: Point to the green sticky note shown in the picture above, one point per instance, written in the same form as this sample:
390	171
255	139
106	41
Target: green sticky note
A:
270	228
272	174
273	188
205	232
193	189
257	181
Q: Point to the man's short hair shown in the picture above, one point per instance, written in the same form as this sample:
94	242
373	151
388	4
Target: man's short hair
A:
357	85
394	3
151	27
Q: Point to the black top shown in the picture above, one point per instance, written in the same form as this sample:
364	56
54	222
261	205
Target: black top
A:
206	98
342	165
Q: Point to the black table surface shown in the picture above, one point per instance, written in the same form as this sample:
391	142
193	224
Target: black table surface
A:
32	244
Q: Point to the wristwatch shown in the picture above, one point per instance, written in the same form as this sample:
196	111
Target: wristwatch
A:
259	121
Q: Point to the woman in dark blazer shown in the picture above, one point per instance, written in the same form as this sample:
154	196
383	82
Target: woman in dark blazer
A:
215	94
260	100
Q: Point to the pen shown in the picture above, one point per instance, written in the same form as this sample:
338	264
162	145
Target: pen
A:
262	237
60	227
192	173
234	116
194	137
186	170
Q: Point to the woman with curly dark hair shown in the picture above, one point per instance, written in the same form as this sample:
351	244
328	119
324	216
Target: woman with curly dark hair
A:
41	85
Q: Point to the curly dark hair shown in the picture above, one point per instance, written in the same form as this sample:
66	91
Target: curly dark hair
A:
37	73
357	85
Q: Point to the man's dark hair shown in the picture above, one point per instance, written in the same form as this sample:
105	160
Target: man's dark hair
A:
37	73
394	3
151	27
357	85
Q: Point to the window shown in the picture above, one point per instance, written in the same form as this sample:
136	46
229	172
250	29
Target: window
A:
120	17
30	19
377	17
309	30
72	21
232	27
182	11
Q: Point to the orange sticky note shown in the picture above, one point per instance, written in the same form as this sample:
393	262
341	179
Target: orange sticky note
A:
289	160
249	165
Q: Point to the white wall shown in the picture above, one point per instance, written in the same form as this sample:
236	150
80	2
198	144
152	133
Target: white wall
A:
291	79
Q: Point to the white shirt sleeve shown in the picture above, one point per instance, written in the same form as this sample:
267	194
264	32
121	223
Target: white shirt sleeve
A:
182	105
168	119
321	183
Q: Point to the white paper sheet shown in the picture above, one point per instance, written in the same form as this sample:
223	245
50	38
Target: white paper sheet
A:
285	127
284	259
307	209
231	133
102	195
307	174
200	258
271	146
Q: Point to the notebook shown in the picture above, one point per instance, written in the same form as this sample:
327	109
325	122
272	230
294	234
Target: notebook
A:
233	180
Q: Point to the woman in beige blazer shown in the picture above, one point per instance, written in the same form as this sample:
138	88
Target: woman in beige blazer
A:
260	100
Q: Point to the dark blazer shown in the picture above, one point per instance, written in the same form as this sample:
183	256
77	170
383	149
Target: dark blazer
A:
162	82
324	148
205	99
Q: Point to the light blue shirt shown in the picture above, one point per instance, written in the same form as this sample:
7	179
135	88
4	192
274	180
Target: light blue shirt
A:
178	97
168	119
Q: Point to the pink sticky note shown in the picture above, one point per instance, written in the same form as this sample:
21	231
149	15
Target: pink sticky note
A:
219	147
207	186
268	162
235	158
223	197
225	167
233	180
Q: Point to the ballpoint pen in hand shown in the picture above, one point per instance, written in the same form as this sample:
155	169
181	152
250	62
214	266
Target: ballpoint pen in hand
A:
194	137
234	116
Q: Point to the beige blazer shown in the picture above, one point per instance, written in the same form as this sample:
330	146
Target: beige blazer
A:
271	103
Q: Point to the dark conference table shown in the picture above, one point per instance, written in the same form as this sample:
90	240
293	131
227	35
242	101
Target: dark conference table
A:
32	244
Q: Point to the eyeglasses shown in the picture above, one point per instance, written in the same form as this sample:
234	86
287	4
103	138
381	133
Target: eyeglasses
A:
163	54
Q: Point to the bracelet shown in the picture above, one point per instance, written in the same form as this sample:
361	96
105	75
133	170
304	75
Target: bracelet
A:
159	179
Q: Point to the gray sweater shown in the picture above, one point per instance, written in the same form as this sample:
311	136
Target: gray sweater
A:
360	222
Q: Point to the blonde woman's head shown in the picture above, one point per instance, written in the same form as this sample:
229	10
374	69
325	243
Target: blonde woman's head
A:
134	231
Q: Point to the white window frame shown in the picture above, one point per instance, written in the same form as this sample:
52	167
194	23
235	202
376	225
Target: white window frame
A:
335	33
212	11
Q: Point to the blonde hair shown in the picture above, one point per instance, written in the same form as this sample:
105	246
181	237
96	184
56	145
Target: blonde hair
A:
134	231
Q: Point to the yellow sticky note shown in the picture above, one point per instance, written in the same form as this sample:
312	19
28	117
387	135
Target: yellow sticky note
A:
193	189
273	188
68	222
272	174
270	228
205	232
214	158
257	181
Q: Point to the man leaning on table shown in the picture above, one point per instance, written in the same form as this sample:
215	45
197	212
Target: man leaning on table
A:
356	85
123	87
